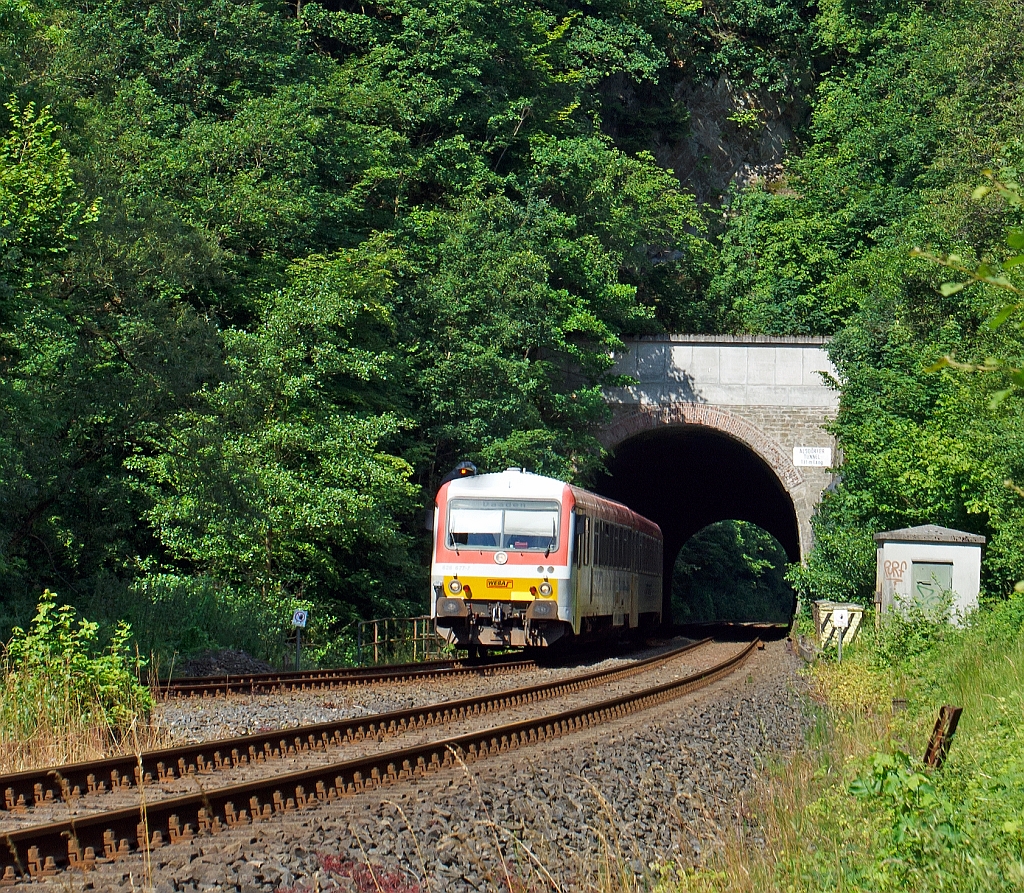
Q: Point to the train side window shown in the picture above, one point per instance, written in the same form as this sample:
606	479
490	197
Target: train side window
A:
586	541
581	539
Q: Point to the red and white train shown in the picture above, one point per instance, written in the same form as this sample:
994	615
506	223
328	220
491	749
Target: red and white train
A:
522	560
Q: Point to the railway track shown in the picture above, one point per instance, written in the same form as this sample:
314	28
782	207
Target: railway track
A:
307	680
32	788
83	841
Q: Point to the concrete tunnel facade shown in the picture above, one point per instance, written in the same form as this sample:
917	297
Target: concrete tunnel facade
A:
722	428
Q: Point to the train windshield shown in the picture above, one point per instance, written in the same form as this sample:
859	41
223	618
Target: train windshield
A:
520	525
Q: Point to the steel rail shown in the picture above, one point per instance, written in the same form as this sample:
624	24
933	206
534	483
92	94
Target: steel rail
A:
37	787
261	683
80	843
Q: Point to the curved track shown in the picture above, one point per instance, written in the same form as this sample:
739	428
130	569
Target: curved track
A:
37	787
306	680
82	842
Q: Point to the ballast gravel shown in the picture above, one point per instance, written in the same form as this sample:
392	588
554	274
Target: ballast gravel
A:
184	720
655	786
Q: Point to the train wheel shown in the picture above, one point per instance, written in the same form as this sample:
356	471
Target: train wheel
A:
473	652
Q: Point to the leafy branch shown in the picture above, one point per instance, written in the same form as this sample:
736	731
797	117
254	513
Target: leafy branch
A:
994	273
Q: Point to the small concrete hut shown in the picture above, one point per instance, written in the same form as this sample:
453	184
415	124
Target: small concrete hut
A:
917	565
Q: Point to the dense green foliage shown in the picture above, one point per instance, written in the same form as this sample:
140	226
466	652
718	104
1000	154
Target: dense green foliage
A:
923	98
731	571
268	271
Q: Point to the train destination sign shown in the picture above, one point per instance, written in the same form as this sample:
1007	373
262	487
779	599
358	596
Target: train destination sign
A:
812	457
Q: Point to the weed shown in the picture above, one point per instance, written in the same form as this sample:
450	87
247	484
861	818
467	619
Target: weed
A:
65	697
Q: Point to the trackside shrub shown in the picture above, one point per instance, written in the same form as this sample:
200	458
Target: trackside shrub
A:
64	694
911	630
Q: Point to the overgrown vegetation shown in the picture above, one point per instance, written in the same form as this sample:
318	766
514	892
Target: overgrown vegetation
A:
922	99
861	811
732	571
268	271
65	696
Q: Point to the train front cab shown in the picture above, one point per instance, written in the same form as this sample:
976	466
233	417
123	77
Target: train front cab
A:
500	576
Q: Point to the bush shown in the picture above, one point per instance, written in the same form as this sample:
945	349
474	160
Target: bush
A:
911	630
63	693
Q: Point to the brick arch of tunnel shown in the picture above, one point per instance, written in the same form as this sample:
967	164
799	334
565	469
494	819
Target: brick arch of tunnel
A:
686	474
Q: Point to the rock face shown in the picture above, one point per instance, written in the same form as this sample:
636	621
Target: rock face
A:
733	137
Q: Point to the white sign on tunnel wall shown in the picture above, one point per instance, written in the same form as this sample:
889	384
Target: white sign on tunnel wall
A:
812	457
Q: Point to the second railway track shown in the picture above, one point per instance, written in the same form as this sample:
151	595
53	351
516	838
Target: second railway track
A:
83	840
308	680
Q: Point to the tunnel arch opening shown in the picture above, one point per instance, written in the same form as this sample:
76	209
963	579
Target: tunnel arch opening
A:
685	477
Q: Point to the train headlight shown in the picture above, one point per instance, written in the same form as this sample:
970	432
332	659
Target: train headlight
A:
545	588
455	587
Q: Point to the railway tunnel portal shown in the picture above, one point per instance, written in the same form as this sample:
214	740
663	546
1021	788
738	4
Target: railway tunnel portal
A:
722	428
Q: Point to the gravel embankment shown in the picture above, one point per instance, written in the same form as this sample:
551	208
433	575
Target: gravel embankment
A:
183	720
657	785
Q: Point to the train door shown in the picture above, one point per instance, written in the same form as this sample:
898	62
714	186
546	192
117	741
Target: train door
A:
634	578
620	576
581	571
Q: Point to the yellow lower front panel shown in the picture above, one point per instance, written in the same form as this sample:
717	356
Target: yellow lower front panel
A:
497	588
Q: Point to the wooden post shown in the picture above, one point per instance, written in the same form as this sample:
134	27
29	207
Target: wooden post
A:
942	736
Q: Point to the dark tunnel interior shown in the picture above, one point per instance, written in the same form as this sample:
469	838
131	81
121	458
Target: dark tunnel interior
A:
686	477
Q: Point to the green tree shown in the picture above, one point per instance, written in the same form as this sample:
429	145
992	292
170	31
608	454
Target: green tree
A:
277	480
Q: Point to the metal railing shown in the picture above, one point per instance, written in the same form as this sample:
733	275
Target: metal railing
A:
392	640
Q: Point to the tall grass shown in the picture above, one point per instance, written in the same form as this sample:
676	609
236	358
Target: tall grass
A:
64	697
858	811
